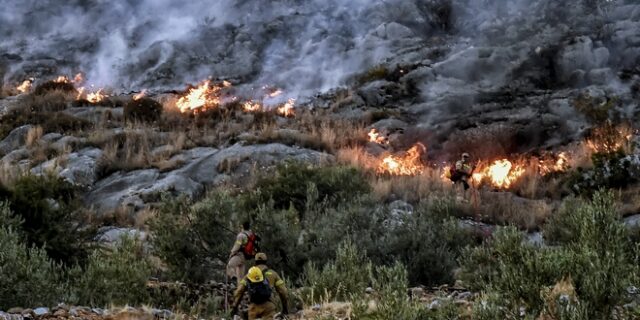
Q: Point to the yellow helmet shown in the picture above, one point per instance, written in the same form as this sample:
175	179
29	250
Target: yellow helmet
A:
255	275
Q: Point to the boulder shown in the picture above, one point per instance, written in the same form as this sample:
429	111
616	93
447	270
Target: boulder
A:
16	139
202	168
392	30
112	235
78	168
121	189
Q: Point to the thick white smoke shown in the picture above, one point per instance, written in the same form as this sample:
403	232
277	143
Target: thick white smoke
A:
304	46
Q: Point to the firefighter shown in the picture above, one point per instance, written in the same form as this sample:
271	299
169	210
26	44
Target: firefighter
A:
243	249
262	283
462	171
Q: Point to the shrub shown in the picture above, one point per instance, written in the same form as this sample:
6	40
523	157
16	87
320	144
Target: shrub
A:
27	276
195	239
288	187
593	249
48	86
594	109
116	276
610	170
143	109
349	274
49	207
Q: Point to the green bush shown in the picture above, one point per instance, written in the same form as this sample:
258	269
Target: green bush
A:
194	239
349	274
49	208
291	182
593	248
27	276
116	276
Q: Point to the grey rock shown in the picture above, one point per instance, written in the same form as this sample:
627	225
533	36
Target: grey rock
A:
535	239
51	137
121	190
400	208
375	94
632	222
15	156
162	314
435	304
16	139
67	143
41	311
112	235
203	167
78	168
393	30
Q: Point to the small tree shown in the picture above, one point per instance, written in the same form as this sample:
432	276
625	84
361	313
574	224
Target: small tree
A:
27	276
116	276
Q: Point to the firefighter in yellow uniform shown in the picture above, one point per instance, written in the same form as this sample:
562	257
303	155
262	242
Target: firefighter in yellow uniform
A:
462	171
262	283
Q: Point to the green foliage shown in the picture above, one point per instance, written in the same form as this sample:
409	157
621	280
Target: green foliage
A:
49	208
610	170
192	239
143	109
116	276
593	248
349	274
290	185
27	276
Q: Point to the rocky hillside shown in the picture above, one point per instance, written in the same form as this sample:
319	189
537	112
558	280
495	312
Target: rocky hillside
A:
238	106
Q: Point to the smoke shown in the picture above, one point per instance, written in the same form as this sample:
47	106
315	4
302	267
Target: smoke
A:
303	46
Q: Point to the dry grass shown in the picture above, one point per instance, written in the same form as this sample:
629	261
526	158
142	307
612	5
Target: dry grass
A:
411	188
33	135
504	208
329	310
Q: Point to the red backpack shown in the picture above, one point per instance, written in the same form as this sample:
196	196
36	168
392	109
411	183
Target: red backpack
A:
251	247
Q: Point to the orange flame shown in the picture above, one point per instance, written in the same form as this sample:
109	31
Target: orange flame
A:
25	86
374	136
140	95
560	164
200	97
501	174
251	106
287	110
95	97
610	138
62	79
407	165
